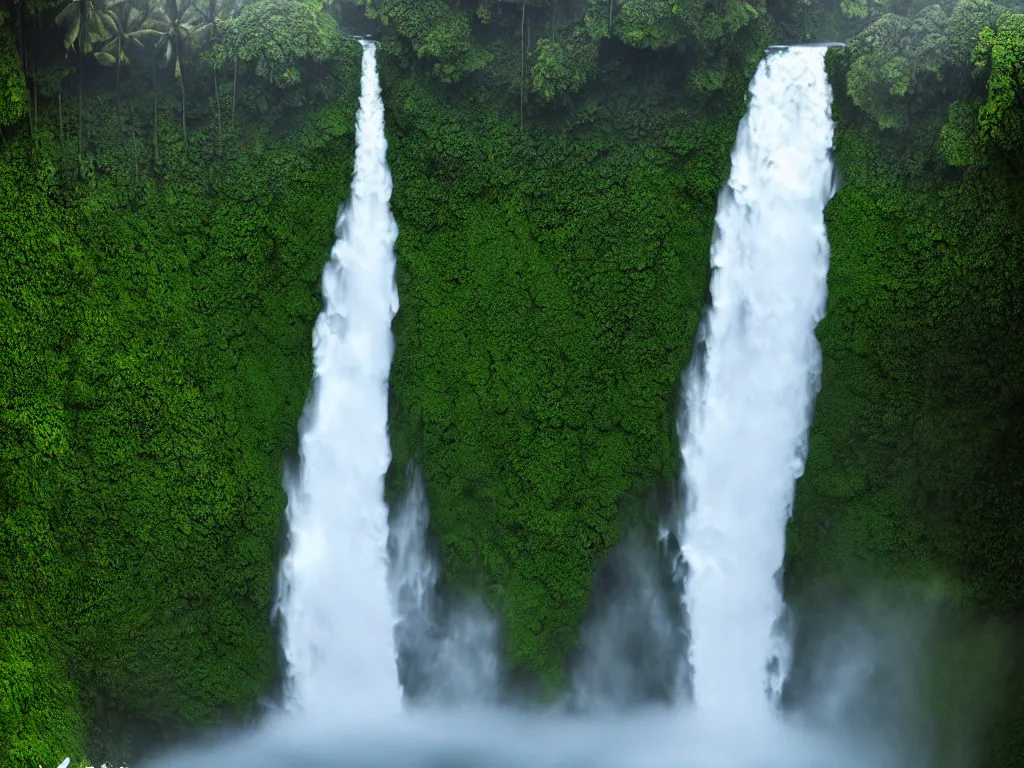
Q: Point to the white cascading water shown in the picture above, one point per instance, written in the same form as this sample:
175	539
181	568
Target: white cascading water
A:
337	612
749	396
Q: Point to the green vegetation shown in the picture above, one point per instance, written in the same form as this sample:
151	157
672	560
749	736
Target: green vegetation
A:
169	178
548	50
913	474
13	96
155	359
551	285
1000	52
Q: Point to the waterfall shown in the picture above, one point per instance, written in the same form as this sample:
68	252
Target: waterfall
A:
748	408
336	610
750	391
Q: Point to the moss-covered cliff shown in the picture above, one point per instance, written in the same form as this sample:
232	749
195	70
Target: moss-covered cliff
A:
556	166
913	476
156	357
552	280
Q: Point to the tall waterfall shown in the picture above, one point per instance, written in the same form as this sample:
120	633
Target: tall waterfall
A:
748	408
338	619
749	395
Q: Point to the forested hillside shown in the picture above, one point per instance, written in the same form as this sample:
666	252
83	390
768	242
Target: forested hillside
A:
170	173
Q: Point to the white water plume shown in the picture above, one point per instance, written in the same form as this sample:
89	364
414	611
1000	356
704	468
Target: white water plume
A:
338	620
749	394
633	640
447	649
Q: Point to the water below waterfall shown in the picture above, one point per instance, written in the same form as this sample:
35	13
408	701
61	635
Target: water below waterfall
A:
337	613
750	391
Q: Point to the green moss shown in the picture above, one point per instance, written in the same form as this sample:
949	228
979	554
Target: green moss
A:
913	473
551	286
156	358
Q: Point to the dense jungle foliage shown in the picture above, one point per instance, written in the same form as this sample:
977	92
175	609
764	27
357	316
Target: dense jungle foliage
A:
169	178
914	464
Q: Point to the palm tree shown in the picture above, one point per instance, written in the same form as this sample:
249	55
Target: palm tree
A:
239	7
155	23
129	29
522	65
204	16
174	32
85	22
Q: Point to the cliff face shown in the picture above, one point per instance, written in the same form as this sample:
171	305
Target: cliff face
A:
555	189
156	358
912	490
551	282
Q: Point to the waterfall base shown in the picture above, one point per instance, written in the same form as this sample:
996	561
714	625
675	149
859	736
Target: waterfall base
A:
503	739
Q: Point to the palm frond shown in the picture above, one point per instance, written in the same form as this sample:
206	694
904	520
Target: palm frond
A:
71	34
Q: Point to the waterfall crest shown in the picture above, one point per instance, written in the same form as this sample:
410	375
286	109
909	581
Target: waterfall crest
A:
336	611
750	391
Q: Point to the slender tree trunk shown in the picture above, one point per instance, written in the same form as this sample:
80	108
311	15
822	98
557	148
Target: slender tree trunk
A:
60	113
156	125
611	10
35	95
234	90
21	35
554	22
216	104
81	87
522	65
184	128
117	87
32	115
131	125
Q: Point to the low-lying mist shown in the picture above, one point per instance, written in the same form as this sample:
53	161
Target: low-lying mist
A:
879	682
496	738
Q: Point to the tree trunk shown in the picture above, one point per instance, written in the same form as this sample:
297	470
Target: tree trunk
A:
234	89
184	128
216	103
131	124
117	87
21	35
35	95
81	87
31	114
611	10
156	126
522	65
60	113
554	22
